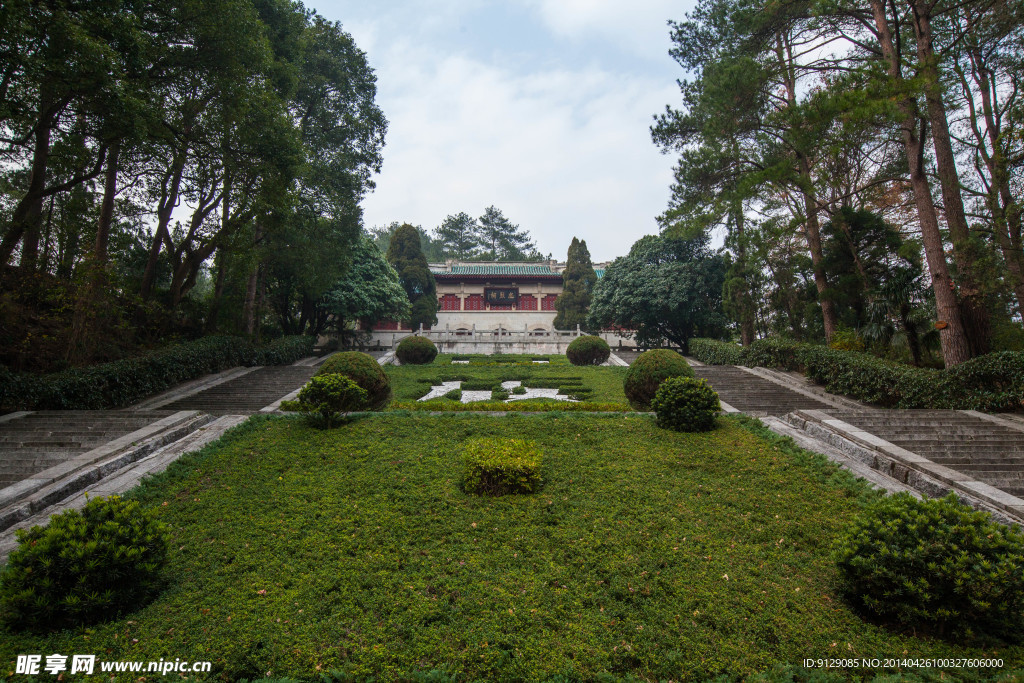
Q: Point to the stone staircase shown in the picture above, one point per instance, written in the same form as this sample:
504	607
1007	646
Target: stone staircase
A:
248	393
754	395
989	452
43	439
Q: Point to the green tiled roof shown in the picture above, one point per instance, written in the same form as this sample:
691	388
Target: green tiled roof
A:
497	270
600	272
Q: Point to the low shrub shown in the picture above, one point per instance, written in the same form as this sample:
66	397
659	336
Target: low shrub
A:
714	352
847	340
995	381
588	350
772	352
84	566
648	371
365	371
416	350
123	382
519	390
685	404
477	384
874	380
454	394
936	565
499	393
325	397
497	467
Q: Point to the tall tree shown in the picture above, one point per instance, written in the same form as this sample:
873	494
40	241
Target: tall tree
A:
501	239
405	254
458	236
665	290
578	280
369	291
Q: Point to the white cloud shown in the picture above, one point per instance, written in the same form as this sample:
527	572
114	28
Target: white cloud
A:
633	26
561	152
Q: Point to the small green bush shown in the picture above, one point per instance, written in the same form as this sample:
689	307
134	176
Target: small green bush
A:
847	340
365	371
500	466
519	390
648	371
714	352
935	564
499	393
588	350
772	352
84	566
416	350
686	404
478	384
325	397
454	394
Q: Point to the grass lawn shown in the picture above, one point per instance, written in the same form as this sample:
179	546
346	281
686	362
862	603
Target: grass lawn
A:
410	382
650	553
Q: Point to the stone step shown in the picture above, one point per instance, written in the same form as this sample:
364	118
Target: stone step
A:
247	393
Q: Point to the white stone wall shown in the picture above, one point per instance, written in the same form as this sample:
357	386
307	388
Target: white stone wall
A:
515	321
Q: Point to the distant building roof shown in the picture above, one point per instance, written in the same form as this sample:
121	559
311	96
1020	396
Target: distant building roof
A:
600	272
550	269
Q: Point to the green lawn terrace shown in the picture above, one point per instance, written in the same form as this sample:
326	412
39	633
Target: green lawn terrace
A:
587	388
649	553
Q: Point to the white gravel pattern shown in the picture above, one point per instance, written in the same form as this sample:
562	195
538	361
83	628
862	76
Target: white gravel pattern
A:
473	396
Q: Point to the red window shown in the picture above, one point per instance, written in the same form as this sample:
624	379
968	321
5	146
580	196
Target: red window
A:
449	302
475	302
527	302
548	302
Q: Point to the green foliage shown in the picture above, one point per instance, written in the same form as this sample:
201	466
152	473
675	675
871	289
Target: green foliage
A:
772	352
648	371
365	371
501	240
458	236
405	253
935	565
578	280
454	395
325	397
519	390
588	350
499	393
497	466
369	291
714	352
685	404
847	340
123	382
84	566
416	350
665	289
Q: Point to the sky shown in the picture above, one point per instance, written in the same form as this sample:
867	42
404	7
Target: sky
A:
541	108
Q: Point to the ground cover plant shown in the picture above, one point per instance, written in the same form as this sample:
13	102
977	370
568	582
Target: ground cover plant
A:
662	555
590	384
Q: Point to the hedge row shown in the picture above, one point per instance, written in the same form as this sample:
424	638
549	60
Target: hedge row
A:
993	382
123	382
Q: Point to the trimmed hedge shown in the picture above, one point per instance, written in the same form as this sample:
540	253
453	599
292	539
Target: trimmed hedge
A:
416	350
588	350
935	564
325	397
497	467
365	371
648	371
993	382
686	404
123	382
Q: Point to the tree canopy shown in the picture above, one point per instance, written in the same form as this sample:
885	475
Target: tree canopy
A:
405	254
369	292
578	280
665	290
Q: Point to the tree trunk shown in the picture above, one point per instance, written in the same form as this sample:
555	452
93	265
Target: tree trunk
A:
972	298
746	301
107	207
168	200
218	291
27	216
955	345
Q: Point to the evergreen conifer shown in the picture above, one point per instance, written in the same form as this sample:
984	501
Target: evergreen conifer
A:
405	254
578	281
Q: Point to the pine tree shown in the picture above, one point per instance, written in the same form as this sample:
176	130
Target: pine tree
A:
405	254
502	240
578	280
458	236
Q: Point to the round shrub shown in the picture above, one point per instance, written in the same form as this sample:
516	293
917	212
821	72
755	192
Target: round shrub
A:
685	404
365	371
416	350
935	565
499	466
588	350
84	566
648	371
325	397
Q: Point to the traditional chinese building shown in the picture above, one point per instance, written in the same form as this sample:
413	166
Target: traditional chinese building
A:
499	297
